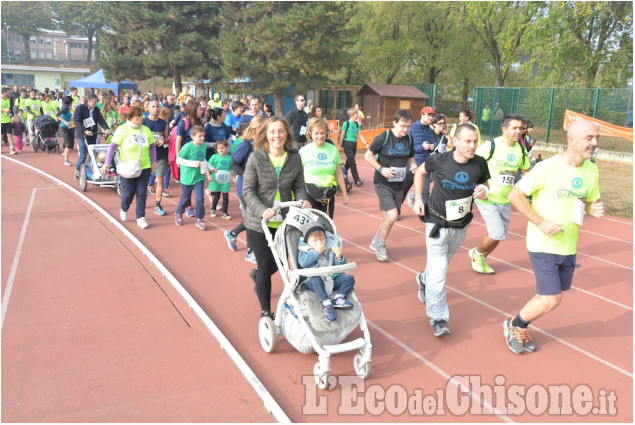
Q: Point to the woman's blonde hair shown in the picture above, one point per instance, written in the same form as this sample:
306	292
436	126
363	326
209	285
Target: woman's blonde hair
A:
316	122
254	127
261	137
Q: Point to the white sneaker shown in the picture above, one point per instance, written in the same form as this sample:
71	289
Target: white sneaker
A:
141	222
123	215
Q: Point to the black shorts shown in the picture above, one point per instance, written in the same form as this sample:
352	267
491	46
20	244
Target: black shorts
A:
554	273
6	128
390	196
68	134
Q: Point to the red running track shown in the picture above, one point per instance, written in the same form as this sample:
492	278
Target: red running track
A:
585	346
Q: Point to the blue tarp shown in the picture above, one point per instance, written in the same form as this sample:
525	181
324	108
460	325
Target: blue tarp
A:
97	81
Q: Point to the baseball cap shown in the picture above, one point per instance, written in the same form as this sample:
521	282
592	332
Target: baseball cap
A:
216	96
428	110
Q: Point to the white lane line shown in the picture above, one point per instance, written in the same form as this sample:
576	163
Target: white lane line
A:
16	259
437	369
268	401
501	260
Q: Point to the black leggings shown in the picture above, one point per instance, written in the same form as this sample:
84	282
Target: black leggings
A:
217	197
326	206
266	266
241	227
350	149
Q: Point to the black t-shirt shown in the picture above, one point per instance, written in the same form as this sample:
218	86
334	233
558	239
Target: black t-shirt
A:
158	126
454	181
394	153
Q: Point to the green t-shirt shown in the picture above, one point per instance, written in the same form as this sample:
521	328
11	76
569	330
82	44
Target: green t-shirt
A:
555	187
129	139
503	165
50	108
6	116
34	105
192	175
112	117
237	142
220	180
278	163
351	128
320	164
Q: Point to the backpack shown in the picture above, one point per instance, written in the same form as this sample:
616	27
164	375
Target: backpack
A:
491	151
386	141
176	172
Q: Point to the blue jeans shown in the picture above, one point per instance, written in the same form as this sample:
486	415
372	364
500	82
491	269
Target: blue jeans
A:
138	186
342	284
83	152
186	198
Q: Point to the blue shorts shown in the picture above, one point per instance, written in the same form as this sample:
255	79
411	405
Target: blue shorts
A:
554	273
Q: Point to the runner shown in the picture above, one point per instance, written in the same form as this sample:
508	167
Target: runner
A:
505	155
563	188
459	176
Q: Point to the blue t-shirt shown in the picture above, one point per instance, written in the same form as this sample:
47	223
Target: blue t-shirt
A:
66	116
185	134
214	133
158	128
234	122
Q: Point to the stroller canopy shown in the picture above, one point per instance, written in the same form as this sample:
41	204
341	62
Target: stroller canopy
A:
98	81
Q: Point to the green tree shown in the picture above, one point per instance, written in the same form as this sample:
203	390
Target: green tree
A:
162	39
87	18
501	27
280	43
26	19
587	44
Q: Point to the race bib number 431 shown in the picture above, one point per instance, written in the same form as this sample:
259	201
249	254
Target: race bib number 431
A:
298	217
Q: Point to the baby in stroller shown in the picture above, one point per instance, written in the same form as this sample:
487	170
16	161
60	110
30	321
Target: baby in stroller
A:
319	248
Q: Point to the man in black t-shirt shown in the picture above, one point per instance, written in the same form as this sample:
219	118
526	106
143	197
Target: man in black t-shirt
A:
459	177
297	119
395	157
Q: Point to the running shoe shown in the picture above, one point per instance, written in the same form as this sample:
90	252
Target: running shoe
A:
141	222
67	163
123	215
226	216
178	219
267	313
159	211
231	240
212	213
422	288
76	174
166	192
201	224
152	190
530	345
380	251
329	312
189	211
479	263
12	152
514	336
359	183
250	257
342	303
440	328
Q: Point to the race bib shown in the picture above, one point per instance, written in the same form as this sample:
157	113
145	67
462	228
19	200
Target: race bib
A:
298	217
138	140
89	122
578	213
302	131
506	178
278	217
222	176
400	174
456	209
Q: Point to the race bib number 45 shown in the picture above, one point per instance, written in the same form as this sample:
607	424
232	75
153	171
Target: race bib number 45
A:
456	209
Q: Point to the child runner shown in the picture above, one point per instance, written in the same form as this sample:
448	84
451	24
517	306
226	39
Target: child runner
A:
220	164
194	168
319	248
18	129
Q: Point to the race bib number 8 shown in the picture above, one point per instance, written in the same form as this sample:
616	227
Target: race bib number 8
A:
298	217
456	209
222	176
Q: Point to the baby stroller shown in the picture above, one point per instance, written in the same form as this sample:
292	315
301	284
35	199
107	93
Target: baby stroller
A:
299	314
90	170
46	134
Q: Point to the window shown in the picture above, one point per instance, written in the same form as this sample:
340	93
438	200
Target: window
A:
49	55
7	79
40	41
40	55
33	55
32	40
18	79
48	41
17	53
17	38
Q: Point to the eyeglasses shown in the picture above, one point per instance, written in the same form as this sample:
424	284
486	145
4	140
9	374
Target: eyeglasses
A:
440	123
301	100
404	126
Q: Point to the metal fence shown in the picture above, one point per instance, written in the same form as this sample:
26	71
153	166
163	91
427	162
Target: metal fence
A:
545	108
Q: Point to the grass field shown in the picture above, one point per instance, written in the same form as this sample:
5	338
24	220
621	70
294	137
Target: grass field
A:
616	186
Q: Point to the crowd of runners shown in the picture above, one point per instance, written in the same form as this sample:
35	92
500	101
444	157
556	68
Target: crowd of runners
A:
440	173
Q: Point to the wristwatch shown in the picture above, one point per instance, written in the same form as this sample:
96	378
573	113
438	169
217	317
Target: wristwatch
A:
379	169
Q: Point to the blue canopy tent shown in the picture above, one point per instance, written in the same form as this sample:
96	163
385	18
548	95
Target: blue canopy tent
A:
97	81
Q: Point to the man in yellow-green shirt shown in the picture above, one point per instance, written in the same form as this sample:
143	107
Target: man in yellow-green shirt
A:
505	155
563	188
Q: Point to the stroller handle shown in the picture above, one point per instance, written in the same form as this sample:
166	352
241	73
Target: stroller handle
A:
281	205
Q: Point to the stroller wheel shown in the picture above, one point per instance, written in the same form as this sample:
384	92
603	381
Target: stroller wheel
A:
119	186
268	334
35	145
83	182
321	378
361	369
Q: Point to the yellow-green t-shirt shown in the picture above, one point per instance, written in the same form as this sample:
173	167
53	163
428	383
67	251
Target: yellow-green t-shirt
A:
34	106
277	164
129	139
6	116
503	165
555	187
50	108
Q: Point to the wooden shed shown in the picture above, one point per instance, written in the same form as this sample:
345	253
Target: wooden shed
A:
381	101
